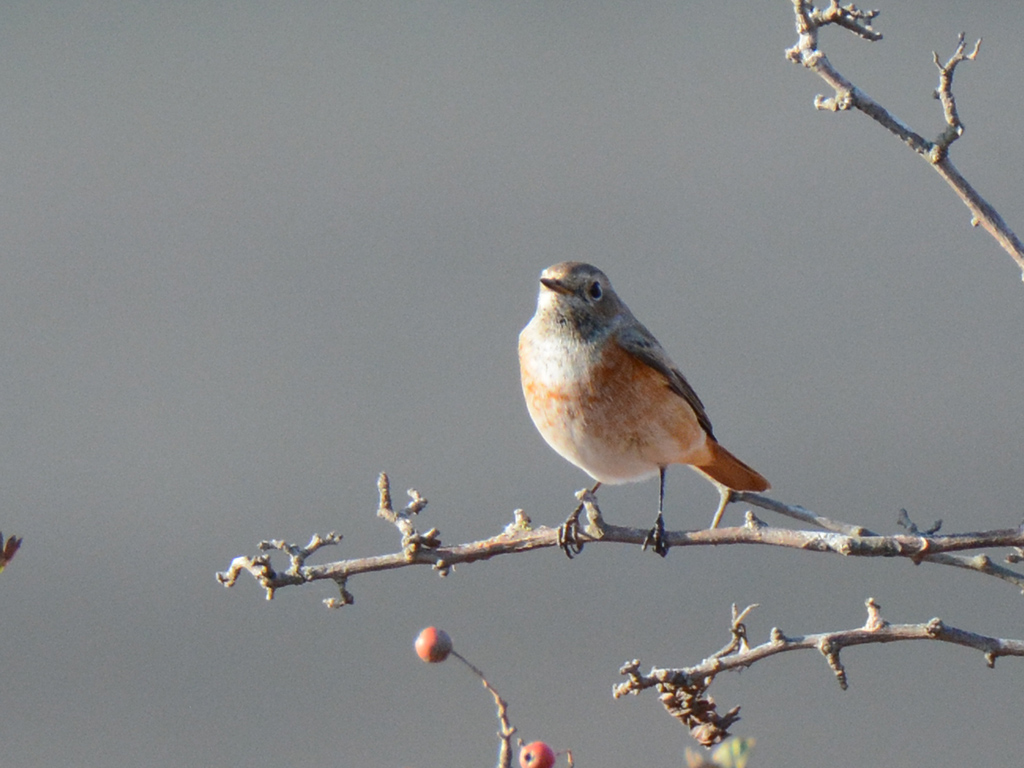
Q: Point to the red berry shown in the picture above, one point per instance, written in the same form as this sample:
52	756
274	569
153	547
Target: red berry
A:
433	645
537	755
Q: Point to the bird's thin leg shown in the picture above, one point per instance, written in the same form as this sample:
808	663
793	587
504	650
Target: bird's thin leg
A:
727	495
568	532
656	536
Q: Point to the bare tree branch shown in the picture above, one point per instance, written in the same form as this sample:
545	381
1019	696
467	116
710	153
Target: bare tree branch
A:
684	691
810	19
426	549
980	563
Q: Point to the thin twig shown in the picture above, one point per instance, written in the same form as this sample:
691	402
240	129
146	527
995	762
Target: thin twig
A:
507	729
806	52
944	93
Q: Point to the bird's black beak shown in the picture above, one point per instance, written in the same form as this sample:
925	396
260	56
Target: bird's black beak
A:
555	285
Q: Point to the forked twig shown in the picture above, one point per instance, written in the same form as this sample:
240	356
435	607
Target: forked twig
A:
806	52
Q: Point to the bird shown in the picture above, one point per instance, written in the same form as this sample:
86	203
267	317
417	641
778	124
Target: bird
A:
606	396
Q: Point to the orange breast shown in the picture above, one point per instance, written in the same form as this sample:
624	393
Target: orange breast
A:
634	405
613	416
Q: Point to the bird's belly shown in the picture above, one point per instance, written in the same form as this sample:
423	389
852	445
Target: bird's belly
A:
609	414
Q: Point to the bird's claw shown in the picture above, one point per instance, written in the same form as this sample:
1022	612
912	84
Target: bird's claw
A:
569	534
655	538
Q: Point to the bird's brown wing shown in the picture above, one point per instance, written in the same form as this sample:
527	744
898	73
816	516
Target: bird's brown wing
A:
641	344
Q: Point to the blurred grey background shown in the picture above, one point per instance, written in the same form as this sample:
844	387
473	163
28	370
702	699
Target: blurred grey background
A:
255	253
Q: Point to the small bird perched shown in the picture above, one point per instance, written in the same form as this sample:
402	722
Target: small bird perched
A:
606	396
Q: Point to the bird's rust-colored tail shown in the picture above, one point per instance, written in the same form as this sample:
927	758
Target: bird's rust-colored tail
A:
724	468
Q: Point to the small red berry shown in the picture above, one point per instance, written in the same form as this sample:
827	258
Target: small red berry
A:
537	755
433	645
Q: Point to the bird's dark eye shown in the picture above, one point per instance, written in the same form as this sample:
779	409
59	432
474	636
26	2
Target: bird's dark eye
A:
595	290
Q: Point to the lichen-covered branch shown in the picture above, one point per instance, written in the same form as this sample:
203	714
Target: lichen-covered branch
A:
684	691
806	52
426	549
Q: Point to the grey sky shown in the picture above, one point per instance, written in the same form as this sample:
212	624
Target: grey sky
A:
253	254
